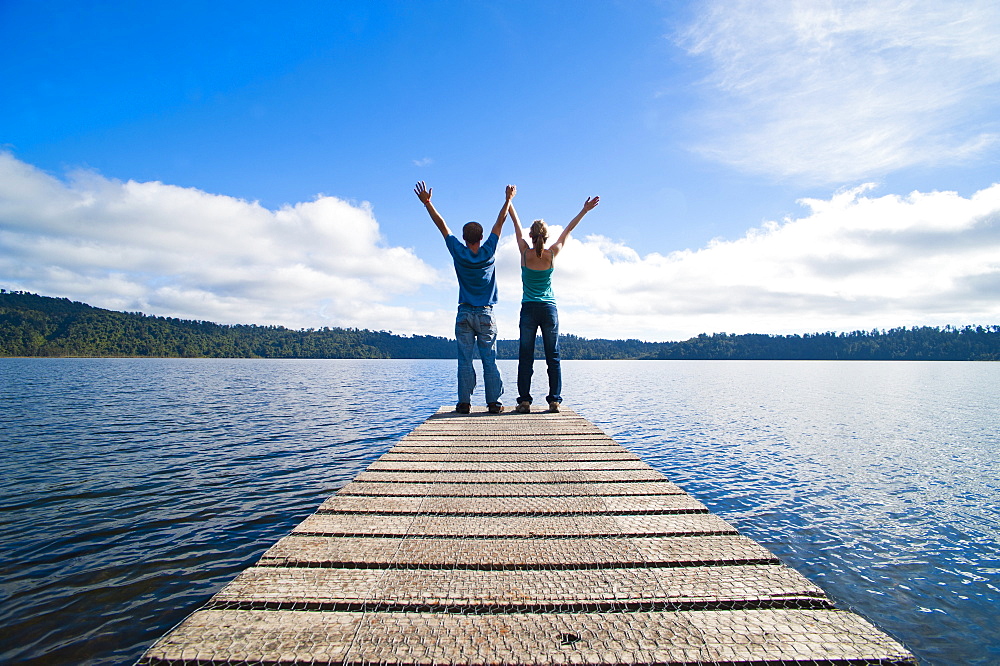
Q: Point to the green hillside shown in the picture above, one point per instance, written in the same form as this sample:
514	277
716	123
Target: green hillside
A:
33	325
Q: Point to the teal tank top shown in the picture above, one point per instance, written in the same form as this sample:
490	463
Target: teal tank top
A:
537	285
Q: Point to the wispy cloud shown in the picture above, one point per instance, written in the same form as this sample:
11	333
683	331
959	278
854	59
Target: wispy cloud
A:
183	252
424	161
840	91
855	261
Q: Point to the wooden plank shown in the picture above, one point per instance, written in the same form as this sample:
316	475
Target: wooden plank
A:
664	637
383	465
588	452
525	553
538	590
500	506
511	489
576	476
613	456
526	432
504	440
353	524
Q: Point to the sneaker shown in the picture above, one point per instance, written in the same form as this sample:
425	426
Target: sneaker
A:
495	407
523	408
553	406
463	408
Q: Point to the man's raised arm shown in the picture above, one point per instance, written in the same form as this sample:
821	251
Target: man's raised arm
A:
502	217
424	194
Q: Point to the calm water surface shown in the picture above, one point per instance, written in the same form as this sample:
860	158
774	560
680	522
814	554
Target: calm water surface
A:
133	489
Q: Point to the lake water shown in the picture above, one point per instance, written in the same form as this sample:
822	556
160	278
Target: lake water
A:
133	489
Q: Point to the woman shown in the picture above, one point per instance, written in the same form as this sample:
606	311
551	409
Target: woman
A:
538	307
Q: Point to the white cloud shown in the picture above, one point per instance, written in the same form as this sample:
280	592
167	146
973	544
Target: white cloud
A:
854	262
839	91
182	252
424	161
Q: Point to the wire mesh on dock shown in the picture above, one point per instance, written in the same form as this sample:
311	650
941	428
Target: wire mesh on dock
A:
518	539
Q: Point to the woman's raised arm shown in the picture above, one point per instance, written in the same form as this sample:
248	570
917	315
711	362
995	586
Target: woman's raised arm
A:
588	205
522	245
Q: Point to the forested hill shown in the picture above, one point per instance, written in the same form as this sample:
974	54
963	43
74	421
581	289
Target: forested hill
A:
32	325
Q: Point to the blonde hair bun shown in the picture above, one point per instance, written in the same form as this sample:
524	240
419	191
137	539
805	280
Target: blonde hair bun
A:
539	233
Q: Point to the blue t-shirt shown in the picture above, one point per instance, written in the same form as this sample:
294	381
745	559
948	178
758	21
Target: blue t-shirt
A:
477	284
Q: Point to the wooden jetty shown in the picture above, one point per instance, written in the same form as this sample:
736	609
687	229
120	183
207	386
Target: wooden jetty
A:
518	539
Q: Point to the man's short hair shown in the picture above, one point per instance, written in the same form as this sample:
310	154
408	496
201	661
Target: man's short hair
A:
472	232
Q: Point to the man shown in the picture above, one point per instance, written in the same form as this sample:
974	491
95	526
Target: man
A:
477	293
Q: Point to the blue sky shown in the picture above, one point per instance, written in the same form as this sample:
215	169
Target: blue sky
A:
762	166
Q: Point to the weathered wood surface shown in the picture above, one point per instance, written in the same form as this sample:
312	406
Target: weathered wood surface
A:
518	539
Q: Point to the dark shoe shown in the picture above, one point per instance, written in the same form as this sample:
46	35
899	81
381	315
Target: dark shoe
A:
553	406
523	408
463	408
495	407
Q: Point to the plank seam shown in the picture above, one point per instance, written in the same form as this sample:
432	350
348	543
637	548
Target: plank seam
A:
404	495
805	601
518	514
281	563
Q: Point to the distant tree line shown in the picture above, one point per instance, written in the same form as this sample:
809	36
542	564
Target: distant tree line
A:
33	325
574	347
924	343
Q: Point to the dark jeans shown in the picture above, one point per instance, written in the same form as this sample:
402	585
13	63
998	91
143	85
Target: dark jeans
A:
535	315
